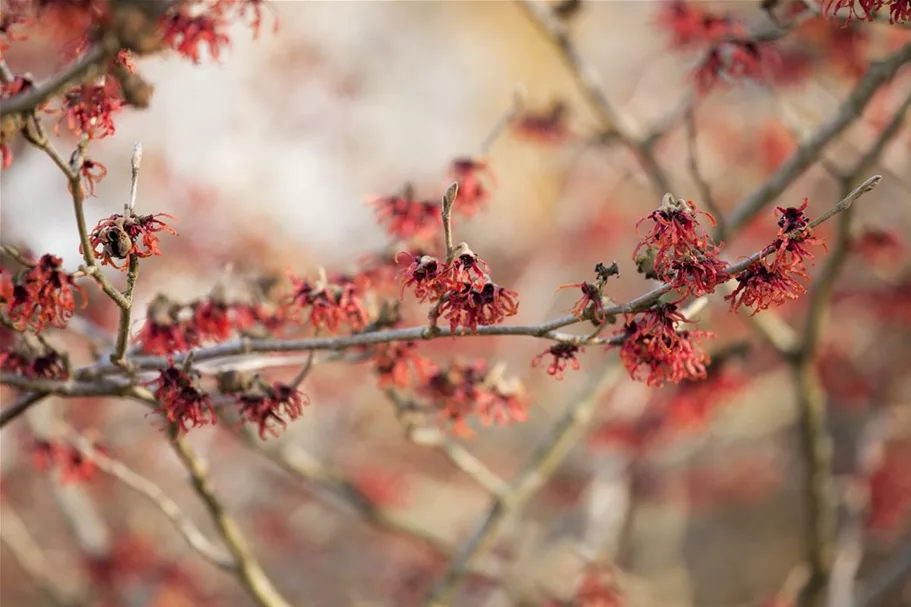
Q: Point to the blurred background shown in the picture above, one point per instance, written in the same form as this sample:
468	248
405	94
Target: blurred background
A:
267	157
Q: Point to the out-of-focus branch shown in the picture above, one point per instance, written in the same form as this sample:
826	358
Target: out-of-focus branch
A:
811	399
249	571
613	123
705	191
15	536
461	457
87	66
544	460
146	488
878	74
337	488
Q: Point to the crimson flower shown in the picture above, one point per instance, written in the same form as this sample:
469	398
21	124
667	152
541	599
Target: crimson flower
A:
184	405
733	60
395	364
760	287
899	10
185	33
684	255
549	126
563	355
463	390
330	304
92	172
475	180
879	247
34	362
268	405
428	276
164	331
212	319
89	109
118	237
689	26
655	351
470	306
408	218
42	296
73	466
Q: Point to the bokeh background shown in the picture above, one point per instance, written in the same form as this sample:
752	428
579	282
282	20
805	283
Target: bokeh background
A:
267	157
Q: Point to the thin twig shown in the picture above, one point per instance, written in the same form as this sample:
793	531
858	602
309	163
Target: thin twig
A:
705	191
612	122
249	571
146	488
878	74
449	198
30	557
82	69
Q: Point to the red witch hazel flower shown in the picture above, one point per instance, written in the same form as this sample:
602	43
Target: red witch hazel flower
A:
771	283
408	218
184	405
463	390
264	404
563	355
118	237
73	466
92	172
212	318
396	364
591	305
472	306
164	331
331	304
42	296
89	109
34	360
475	180
899	10
550	126
879	247
185	32
654	351
683	254
733	60
689	26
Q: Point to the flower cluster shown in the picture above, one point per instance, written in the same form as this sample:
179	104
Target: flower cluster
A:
563	356
184	405
34	360
547	126
475	180
118	237
462	390
40	296
406	217
775	278
655	351
462	289
329	304
734	60
899	10
398	365
72	465
90	109
691	27
267	405
591	305
681	252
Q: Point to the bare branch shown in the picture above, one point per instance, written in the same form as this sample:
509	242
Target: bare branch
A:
146	488
249	571
808	152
